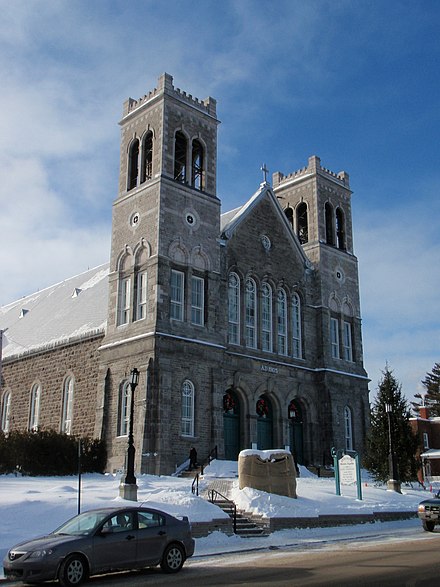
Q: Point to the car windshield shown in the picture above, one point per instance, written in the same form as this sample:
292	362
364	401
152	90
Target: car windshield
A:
83	524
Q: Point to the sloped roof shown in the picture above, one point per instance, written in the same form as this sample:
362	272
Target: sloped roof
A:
69	310
77	307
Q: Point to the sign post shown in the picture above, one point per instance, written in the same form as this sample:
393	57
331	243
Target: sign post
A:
347	470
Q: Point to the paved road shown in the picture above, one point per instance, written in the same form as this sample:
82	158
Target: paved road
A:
395	563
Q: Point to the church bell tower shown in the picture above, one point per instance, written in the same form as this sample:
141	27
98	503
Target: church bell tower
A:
166	206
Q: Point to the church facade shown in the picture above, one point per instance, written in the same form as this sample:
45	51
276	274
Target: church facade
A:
245	326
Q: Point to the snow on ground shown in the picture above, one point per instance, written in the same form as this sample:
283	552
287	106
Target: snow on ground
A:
31	506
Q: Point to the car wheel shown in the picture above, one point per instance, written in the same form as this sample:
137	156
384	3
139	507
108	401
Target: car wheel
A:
73	571
428	526
173	558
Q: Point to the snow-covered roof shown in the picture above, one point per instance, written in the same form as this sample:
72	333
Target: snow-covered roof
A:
226	217
69	310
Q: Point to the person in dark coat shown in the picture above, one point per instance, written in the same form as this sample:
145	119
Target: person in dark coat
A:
192	458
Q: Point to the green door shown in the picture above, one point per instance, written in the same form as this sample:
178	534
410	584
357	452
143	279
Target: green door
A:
296	441
296	431
264	424
231	425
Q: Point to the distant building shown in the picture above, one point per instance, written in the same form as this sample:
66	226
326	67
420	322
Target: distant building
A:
428	432
245	326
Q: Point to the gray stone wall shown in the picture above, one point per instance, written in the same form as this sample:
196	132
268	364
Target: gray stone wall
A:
50	369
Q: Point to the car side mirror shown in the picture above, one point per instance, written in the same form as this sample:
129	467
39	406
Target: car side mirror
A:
106	530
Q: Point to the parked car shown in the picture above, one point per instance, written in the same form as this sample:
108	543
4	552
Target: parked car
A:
101	541
429	512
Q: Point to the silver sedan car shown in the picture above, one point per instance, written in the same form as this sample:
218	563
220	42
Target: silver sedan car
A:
101	541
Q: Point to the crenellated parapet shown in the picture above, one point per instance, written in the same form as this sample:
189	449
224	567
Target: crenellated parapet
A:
313	167
165	85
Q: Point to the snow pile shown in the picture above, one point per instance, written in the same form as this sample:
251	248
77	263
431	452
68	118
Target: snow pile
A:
31	506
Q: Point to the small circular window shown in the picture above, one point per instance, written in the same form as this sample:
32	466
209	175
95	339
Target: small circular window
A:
265	241
191	219
134	219
339	275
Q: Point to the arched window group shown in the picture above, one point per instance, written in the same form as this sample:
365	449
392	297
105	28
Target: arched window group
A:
140	161
301	225
335	227
35	401
132	287
189	161
272	320
341	332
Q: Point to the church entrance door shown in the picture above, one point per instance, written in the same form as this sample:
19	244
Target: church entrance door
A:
296	431
231	425
264	424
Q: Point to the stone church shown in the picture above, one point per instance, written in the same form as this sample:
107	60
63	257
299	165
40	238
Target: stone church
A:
245	326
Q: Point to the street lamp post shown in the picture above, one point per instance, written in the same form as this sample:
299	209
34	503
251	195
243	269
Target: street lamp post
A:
393	482
128	489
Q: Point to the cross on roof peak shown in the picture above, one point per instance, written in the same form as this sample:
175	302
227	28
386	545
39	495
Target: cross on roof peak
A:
265	171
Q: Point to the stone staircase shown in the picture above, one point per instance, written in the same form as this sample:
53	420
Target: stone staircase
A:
247	525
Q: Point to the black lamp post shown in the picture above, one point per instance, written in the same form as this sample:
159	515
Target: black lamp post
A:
393	482
128	487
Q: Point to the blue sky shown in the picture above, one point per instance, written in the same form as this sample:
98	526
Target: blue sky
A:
356	83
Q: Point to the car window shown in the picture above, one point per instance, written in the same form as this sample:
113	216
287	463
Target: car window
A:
82	524
150	520
119	522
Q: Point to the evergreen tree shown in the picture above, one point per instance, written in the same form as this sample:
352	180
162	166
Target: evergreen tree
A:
405	442
431	398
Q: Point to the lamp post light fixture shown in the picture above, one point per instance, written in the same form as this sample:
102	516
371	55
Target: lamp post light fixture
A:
128	488
393	483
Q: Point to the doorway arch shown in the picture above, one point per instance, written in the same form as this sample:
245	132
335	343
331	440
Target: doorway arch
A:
264	411
231	425
295	415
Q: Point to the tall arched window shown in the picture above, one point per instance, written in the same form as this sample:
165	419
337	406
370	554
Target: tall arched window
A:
140	284
124	409
348	429
67	409
187	408
340	229
289	215
250	303
282	322
133	164
197	165
34	407
147	157
266	317
296	327
180	149
302	223
124	290
234	308
329	228
6	412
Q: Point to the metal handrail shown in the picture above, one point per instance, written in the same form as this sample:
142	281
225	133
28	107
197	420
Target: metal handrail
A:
195	485
211	457
213	493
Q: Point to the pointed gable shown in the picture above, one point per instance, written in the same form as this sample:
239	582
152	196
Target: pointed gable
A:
264	203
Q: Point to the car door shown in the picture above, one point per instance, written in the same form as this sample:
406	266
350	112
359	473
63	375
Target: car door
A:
114	544
152	537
